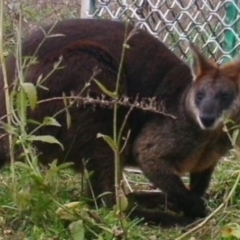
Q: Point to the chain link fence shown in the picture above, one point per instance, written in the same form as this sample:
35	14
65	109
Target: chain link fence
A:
212	25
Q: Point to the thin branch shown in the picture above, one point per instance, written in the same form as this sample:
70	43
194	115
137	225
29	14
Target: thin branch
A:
124	102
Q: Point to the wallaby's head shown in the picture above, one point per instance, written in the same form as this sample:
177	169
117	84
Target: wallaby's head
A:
214	94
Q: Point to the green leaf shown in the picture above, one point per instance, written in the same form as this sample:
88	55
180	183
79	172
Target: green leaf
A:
70	211
123	201
56	35
39	180
32	121
22	165
113	95
231	230
77	230
100	237
45	138
108	140
65	165
49	121
9	128
21	106
235	136
23	199
127	46
66	212
31	92
68	116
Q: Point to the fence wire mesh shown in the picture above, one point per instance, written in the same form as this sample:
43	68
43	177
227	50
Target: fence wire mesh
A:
204	22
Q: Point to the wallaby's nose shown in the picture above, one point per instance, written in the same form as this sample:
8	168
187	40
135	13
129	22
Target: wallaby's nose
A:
207	120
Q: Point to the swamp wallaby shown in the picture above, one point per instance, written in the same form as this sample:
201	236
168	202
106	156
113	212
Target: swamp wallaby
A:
199	97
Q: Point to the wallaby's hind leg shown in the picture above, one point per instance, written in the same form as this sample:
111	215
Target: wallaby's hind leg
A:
151	200
165	219
90	154
199	181
151	207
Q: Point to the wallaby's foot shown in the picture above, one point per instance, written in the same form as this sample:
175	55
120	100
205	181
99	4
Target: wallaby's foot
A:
152	200
151	206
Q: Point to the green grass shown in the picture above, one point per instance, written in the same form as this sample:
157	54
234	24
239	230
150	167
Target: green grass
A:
29	212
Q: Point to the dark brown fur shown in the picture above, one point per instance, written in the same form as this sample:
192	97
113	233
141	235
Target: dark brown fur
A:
163	147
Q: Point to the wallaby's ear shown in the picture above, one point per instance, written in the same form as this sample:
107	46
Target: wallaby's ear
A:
232	69
200	64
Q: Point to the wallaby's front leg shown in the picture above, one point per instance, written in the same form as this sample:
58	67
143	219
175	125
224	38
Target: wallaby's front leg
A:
160	166
161	154
164	176
199	181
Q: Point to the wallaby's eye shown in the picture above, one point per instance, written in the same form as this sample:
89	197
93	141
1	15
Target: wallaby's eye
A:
226	97
200	96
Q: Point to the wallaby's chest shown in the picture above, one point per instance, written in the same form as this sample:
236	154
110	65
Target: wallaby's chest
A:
206	154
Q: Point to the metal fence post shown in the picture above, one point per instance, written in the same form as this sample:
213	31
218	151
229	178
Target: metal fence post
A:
88	8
